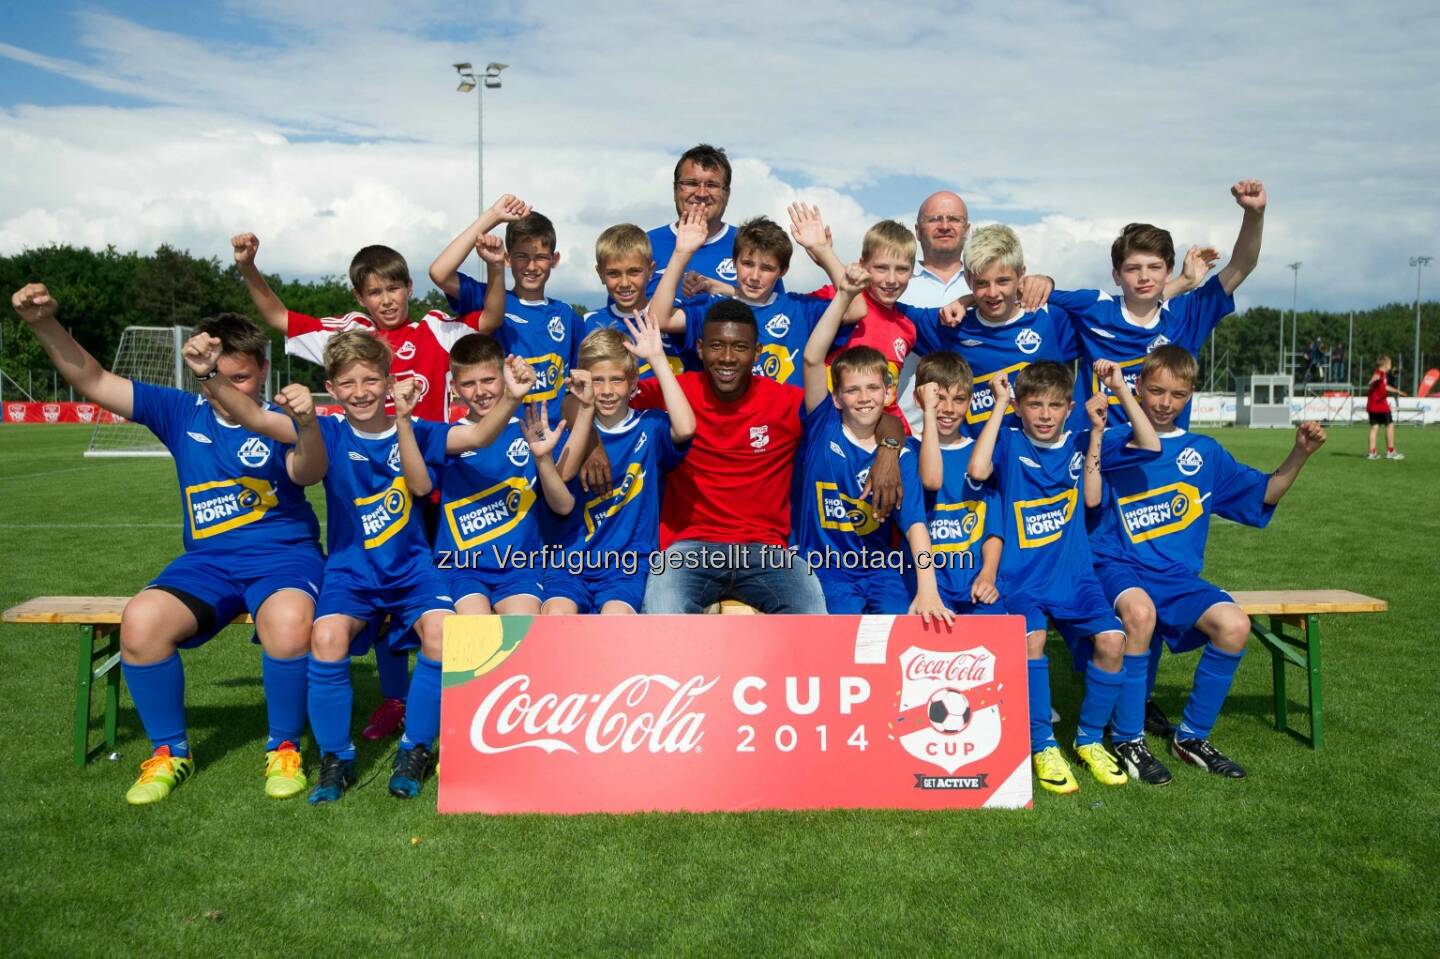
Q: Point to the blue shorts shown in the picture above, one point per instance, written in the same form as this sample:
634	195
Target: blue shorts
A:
240	582
494	584
964	606
590	590
405	599
881	593
1077	608
1180	600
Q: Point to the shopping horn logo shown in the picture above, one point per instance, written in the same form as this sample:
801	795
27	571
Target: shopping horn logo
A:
949	706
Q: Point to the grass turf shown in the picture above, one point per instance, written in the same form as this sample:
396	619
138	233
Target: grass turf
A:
1330	852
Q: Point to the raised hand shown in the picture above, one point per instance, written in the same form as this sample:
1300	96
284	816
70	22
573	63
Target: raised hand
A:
807	227
509	208
953	312
245	245
854	280
928	395
1309	437
201	352
1198	261
1110	374
536	428
297	400
491	249
1034	290
1097	408
647	343
1000	389
693	284
692	230
1250	194
34	303
578	386
405	393
519	377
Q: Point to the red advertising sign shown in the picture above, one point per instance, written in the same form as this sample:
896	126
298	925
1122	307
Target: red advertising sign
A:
22	412
557	714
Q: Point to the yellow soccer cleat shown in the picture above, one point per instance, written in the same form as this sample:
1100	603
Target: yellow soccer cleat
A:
284	772
1102	765
1054	772
159	775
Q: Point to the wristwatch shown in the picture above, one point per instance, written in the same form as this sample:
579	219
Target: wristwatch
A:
890	443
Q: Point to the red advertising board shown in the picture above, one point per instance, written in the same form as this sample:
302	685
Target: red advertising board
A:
24	412
558	714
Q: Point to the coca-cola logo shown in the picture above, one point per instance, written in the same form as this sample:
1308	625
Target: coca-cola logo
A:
51	412
15	412
646	712
969	666
85	412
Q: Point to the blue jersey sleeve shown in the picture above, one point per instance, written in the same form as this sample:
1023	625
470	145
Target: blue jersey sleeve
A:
1063	325
1238	492
695	309
160	409
1199	312
1075	303
471	298
1115	454
912	503
668	452
431	438
927	327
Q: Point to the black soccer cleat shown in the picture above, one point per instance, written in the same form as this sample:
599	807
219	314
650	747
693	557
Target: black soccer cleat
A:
1156	722
336	776
1140	763
411	767
1200	752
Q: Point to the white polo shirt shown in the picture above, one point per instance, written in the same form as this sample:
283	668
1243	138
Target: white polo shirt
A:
926	289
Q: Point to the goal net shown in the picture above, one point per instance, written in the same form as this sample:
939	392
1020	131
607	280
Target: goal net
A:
146	354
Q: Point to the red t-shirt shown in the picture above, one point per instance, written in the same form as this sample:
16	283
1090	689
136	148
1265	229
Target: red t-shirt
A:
420	351
734	484
1377	401
885	328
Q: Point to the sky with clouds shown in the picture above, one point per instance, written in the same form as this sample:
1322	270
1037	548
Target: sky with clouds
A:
325	126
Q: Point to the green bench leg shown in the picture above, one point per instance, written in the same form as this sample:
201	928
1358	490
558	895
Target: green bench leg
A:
1277	672
1317	710
1287	650
96	644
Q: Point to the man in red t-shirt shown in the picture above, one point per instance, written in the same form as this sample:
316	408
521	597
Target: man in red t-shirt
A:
725	514
1377	404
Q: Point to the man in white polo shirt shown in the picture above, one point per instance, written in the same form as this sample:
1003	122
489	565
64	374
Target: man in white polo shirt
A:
940	226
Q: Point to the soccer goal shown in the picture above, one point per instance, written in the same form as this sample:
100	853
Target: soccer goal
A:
147	354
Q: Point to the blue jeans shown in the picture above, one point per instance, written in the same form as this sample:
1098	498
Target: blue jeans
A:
697	574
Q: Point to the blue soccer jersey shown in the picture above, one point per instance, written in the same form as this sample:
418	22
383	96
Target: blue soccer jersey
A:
678	346
1156	513
714	260
959	515
1040	490
785	321
831	521
234	489
1105	331
373	530
990	348
545	333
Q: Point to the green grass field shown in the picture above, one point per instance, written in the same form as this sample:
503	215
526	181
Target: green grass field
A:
1332	852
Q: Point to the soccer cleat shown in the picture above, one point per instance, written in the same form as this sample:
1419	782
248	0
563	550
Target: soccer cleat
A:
386	720
336	776
1156	722
411	767
1101	764
1200	752
1392	455
284	772
1140	763
159	775
1373	455
1054	772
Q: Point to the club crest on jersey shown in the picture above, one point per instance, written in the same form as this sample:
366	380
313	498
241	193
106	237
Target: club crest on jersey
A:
725	270
949	710
218	507
1160	512
601	508
1076	462
774	362
1041	521
956	526
392	459
490	513
406	351
759	437
900	348
1189	461
1159	341
254	452
842	512
422	383
385	513
1028	340
519	451
778	325
556	329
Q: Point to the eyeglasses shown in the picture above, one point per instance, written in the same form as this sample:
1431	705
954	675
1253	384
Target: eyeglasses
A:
939	218
693	185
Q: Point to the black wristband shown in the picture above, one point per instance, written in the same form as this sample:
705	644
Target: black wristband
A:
214	372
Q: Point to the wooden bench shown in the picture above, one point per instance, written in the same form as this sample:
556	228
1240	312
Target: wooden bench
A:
1285	621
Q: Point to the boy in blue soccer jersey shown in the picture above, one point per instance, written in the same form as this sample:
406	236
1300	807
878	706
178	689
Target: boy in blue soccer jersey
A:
542	331
965	530
625	266
1045	567
1124	331
606	546
762	257
488	545
380	560
1148	539
834	526
249	535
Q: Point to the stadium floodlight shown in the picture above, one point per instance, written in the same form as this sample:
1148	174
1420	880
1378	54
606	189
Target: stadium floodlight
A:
479	82
1419	262
1294	319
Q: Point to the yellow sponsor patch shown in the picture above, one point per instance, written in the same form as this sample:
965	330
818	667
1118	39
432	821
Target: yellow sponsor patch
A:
384	514
490	513
775	362
1041	521
1160	512
549	374
1131	369
602	507
982	401
218	507
956	527
843	513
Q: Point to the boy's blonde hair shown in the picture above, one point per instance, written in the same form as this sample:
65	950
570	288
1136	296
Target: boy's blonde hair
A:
607	346
1175	360
947	368
356	346
860	359
990	243
888	236
621	241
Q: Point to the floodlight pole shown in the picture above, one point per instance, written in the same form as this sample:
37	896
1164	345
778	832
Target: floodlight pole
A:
1294	320
1419	262
479	82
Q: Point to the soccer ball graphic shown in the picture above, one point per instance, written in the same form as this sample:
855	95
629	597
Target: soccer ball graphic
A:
948	711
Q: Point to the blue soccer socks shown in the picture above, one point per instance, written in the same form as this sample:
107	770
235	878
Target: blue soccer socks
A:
1042	730
331	701
286	681
159	693
422	710
1128	723
1102	689
1213	676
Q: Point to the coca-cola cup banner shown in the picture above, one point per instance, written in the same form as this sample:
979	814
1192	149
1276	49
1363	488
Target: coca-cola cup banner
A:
18	412
559	714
